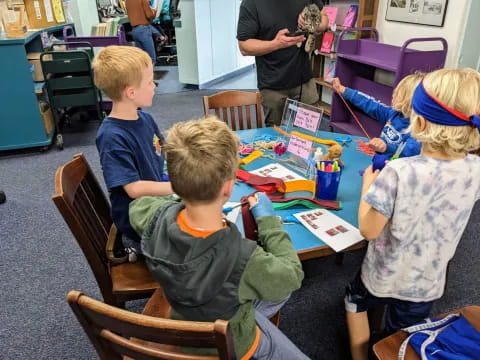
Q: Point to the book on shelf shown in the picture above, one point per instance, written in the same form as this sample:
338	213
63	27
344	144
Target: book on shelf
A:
327	42
351	17
329	70
331	12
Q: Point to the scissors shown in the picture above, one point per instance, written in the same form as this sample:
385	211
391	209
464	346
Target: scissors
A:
343	141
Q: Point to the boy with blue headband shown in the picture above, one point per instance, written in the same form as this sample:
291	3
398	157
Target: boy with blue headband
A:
414	212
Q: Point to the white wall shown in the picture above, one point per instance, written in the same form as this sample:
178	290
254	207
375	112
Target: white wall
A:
396	33
84	13
469	54
206	41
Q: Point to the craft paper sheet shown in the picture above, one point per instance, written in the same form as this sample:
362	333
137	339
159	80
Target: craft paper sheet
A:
232	216
278	171
332	230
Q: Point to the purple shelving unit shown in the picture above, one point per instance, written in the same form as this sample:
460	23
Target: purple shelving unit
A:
95	41
357	61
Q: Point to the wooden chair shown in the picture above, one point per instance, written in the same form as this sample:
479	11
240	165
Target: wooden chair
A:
231	105
115	332
387	349
84	207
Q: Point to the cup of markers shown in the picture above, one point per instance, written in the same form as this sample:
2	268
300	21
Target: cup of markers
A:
328	179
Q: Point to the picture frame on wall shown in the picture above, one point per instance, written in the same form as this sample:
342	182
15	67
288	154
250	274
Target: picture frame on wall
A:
422	12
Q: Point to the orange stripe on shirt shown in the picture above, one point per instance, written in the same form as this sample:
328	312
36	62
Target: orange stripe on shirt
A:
254	346
183	225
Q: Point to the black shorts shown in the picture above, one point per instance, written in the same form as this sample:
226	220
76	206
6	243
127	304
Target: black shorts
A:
399	313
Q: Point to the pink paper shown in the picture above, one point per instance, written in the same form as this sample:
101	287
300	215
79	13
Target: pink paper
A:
331	12
299	146
307	119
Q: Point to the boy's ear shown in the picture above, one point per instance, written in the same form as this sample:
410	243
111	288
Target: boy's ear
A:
227	188
422	123
129	92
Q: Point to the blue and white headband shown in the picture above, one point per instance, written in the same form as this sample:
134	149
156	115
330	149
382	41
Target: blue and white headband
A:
435	111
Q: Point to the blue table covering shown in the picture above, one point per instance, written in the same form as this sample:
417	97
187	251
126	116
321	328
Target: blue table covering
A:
348	193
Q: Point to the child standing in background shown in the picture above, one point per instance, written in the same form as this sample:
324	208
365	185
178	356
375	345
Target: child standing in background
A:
396	118
416	209
128	141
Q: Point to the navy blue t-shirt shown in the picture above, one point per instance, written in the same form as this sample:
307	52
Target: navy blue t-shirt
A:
130	150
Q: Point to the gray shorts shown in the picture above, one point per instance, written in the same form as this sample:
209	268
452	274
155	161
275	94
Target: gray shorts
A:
273	342
273	101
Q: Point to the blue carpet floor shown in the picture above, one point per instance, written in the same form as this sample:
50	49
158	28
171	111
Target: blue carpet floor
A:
41	262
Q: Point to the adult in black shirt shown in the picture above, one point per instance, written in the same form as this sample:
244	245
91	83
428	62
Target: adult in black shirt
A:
283	69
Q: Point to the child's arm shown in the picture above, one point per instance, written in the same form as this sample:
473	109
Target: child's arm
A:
141	188
274	270
412	147
142	210
370	221
367	104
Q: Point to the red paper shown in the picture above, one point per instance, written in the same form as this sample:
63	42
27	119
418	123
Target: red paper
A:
327	42
331	12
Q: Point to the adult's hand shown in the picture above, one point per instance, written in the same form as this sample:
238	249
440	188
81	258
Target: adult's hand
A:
282	41
301	20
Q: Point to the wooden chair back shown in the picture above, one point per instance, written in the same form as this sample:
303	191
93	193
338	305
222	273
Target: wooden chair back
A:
116	332
235	108
84	207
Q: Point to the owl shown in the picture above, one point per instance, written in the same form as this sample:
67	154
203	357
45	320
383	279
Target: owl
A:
312	18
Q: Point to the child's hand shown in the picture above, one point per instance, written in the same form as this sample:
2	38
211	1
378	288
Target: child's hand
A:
378	145
337	85
369	177
260	205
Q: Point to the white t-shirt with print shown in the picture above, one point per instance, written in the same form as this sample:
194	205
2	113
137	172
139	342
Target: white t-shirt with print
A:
428	202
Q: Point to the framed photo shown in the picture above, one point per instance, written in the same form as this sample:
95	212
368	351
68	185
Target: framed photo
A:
423	12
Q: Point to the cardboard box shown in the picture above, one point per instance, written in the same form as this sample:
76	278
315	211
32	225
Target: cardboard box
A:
34	59
47	118
40	14
13	20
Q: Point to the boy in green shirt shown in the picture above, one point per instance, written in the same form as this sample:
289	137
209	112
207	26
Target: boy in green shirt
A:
207	270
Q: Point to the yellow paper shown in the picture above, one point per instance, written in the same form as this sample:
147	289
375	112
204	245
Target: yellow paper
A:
58	10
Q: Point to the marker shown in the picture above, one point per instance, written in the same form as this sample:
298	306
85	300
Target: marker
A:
328	168
322	166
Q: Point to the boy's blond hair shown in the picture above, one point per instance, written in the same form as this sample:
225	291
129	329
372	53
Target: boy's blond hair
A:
201	156
403	93
117	67
460	90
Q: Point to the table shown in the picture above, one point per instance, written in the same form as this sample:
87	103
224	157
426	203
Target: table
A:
307	245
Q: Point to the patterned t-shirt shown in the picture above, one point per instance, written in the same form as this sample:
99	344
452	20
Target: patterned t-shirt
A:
428	202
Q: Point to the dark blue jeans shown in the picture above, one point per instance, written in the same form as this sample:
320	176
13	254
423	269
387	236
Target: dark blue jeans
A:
143	35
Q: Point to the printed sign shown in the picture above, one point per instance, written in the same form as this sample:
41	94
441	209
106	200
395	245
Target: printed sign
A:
299	146
307	119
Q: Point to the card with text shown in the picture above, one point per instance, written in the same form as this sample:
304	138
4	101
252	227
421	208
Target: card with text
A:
277	171
331	229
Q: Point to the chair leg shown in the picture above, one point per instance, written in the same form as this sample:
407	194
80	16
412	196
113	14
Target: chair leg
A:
3	197
375	318
275	319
